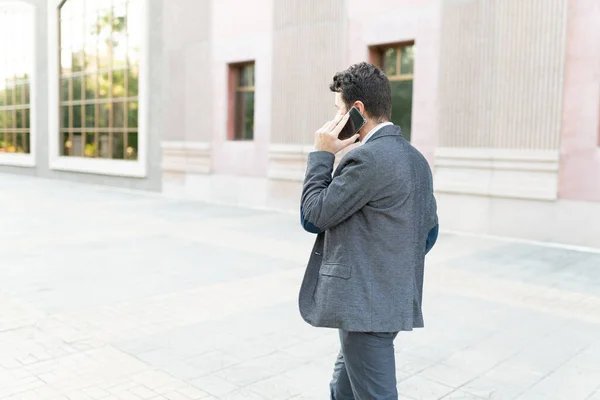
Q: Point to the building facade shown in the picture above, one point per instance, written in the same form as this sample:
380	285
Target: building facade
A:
218	100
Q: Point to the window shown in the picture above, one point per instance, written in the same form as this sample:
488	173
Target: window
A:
244	101
99	59
398	63
16	42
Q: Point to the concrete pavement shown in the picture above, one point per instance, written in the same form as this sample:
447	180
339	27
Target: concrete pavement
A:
108	294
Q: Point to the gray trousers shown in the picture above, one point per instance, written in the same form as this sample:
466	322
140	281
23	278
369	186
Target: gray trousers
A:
365	368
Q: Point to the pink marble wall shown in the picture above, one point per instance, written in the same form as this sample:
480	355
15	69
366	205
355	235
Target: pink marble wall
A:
579	177
241	31
395	21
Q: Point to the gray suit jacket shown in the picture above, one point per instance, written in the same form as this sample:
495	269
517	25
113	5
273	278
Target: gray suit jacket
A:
365	272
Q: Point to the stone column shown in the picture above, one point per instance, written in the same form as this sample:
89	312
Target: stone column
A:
500	97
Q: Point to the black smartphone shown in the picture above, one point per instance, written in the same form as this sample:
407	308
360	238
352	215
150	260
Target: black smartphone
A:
354	124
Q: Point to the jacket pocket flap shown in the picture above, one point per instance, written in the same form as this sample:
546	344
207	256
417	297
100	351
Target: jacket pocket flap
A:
336	270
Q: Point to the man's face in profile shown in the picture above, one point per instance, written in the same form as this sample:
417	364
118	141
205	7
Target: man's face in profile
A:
340	106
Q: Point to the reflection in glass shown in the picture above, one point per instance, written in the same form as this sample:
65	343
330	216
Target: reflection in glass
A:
104	117
9	143
407	60
77	116
390	60
66	144
402	92
77	147
118	84
118	115
64	116
16	19
101	38
19	143
64	89
77	88
90	145
132	115
118	151
90	115
131	153
103	145
90	86
245	115
132	82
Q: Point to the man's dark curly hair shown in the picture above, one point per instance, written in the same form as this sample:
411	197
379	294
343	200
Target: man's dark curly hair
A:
367	83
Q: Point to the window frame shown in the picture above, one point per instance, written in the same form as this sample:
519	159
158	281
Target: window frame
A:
377	57
235	87
26	159
126	168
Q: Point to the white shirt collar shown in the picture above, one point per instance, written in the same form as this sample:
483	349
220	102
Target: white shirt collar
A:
375	130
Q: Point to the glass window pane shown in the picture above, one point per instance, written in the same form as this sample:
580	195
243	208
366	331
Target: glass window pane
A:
27	117
19	143
64	89
118	115
9	144
407	60
402	92
19	94
66	144
103	118
132	115
239	115
118	84
3	119
77	148
64	116
90	115
103	85
103	143
9	119
90	86
132	82
2	143
26	142
245	116
77	88
77	115
77	61
249	116
132	146
9	96
26	93
90	145
390	60
243	76
118	151
66	61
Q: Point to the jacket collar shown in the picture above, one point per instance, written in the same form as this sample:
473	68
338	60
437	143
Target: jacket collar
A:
389	130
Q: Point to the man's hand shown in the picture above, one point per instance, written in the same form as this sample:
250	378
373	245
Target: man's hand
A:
326	138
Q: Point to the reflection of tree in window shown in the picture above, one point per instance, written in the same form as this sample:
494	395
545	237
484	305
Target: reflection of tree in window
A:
99	60
398	64
244	102
16	42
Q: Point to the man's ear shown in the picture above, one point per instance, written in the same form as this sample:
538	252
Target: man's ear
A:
361	106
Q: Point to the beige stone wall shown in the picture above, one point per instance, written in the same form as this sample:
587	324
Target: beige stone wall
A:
187	34
501	73
309	46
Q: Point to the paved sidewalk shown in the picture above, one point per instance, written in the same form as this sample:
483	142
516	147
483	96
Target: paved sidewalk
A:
106	294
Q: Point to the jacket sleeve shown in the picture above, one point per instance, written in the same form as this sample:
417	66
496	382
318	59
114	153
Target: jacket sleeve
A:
327	201
432	238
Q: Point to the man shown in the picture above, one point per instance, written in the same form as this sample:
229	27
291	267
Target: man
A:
375	219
